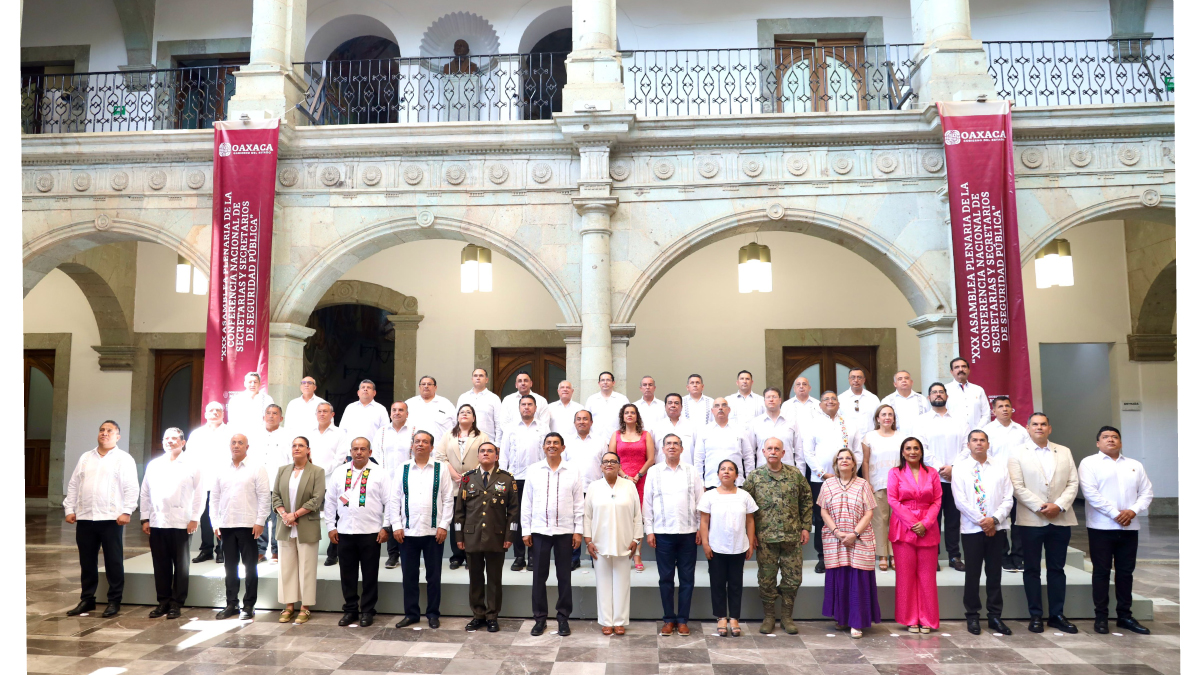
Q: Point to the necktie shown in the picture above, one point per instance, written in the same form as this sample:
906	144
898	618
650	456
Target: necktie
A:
485	476
980	493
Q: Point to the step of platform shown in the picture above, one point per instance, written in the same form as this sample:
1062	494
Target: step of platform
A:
207	589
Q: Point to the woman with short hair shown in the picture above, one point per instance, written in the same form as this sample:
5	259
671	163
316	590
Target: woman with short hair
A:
727	535
846	502
612	530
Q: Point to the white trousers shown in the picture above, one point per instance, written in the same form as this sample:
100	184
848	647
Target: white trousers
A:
612	589
298	572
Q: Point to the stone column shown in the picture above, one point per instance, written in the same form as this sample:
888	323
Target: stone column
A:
270	86
594	75
937	339
951	66
286	361
404	361
621	332
595	354
572	336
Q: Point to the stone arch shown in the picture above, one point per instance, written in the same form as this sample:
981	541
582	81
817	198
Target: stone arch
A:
344	292
113	322
1134	207
909	276
340	29
1157	315
300	296
544	24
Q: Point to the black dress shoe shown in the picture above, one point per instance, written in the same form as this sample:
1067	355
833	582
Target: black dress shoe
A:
518	565
347	619
973	626
820	569
434	622
455	564
493	626
82	607
958	564
330	561
476	624
173	612
392	562
576	564
564	628
112	609
1036	625
158	611
1133	625
203	557
220	558
1020	565
247	614
406	621
539	627
1060	622
1101	626
227	613
365	620
995	625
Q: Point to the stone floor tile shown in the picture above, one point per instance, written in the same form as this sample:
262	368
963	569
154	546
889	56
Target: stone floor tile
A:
575	668
461	666
418	664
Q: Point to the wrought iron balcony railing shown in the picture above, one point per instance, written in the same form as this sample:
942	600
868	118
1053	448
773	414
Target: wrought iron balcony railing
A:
144	100
1082	72
451	89
802	78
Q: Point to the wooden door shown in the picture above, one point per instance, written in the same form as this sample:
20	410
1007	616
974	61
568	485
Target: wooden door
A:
820	75
178	379
828	367
39	406
546	366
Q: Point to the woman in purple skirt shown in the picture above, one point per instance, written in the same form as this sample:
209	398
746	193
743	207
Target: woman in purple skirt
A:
846	504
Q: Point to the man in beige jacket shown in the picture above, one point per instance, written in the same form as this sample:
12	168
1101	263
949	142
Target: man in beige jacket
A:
1045	482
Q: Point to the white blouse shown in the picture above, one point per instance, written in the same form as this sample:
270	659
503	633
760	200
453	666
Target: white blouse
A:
612	516
885	456
727	520
293	485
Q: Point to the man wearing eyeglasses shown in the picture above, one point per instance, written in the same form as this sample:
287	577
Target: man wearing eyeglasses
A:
301	414
857	403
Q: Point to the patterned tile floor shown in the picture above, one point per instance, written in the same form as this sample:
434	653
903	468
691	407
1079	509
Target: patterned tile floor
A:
197	645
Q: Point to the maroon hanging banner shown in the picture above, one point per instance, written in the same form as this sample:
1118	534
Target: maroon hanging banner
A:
987	251
239	286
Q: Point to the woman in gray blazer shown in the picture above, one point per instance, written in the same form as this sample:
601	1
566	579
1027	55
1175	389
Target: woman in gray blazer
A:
298	496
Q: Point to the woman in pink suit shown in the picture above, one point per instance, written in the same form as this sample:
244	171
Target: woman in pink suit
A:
915	495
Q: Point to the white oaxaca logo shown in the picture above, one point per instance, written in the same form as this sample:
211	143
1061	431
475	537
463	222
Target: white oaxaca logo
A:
224	150
953	137
227	149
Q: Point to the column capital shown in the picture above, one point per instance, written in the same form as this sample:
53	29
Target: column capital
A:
595	205
622	332
592	129
572	333
291	331
406	321
1147	347
115	357
932	324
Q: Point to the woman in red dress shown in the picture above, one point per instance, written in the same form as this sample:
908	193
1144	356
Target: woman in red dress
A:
635	446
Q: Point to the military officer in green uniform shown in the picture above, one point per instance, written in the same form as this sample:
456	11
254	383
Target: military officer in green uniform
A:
781	526
487	519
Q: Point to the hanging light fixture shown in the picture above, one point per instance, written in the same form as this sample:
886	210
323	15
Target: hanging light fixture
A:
1053	265
754	268
476	271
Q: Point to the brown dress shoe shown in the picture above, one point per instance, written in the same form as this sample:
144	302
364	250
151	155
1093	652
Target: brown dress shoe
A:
619	630
607	630
683	629
667	629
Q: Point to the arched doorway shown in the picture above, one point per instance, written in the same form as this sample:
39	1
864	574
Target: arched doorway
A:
352	343
547	74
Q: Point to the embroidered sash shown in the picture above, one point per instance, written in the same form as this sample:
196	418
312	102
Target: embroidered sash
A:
437	480
362	490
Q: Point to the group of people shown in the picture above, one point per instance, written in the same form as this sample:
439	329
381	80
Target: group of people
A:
733	477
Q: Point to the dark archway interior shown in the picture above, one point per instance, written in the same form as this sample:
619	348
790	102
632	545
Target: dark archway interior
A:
548	74
352	343
368	47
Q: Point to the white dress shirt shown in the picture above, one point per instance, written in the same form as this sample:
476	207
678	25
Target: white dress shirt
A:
908	409
825	436
436	415
510	412
763	427
301	416
671	498
352	516
246	412
997	489
552	503
522	447
745	409
393	448
683	429
413	509
699	413
799	412
487	409
561	418
1004	440
583	454
1110	486
102	487
651	412
328	448
944	438
171	493
241	496
606	413
859	407
272	449
364	420
715	444
968	402
208	450
612	517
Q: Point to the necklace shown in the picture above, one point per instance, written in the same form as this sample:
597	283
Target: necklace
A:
846	484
